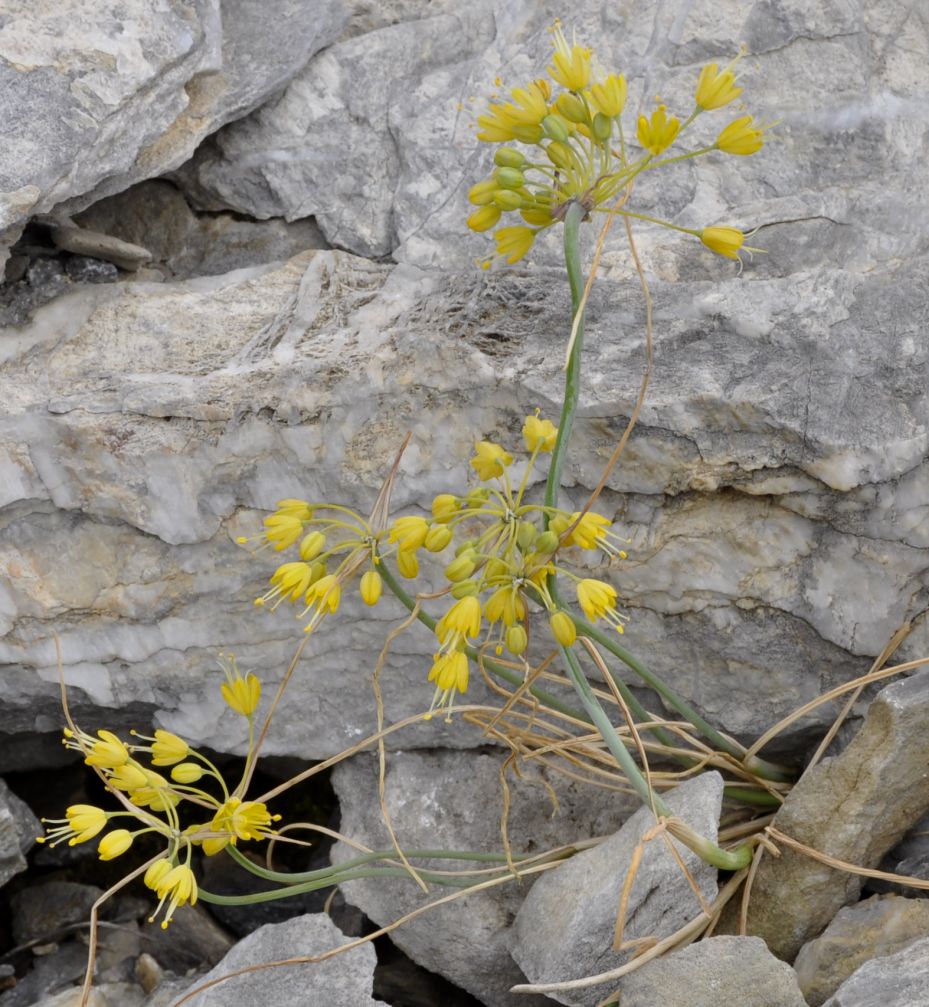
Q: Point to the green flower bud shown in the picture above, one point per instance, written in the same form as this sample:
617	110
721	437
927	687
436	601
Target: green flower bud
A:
525	535
495	568
509	178
603	127
464	589
547	542
507	157
527	134
469	545
572	108
479	495
561	155
516	640
555	127
507	199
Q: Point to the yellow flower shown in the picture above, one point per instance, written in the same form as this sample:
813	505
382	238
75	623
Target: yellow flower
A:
295	508
410	532
187	772
462	620
485	218
290	581
489	460
571	63
723	240
181	885
282	530
108	753
514	242
241	820
168	748
242	694
506	604
716	88
741	137
657	134
530	108
83	822
129	777
450	671
407	564
157	795
563	628
371	587
596	597
114	844
609	96
156	872
323	595
538	433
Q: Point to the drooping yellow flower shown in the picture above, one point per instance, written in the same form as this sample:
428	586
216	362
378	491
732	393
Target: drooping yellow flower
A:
168	748
716	88
489	460
156	872
462	620
409	531
129	777
324	596
83	822
571	67
723	240
595	597
108	753
371	587
242	694
180	884
157	795
539	433
407	564
741	137
505	604
563	628
240	820
659	132
449	672
282	530
114	844
295	508
289	581
514	242
609	96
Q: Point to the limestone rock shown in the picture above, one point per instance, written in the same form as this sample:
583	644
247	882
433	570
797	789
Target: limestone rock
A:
95	99
342	981
770	519
854	807
18	830
879	926
899	980
564	929
716	972
453	800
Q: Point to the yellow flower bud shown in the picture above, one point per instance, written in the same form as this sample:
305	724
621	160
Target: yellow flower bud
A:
371	587
484	218
464	588
407	564
187	772
438	537
507	200
563	628
723	240
114	844
508	157
482	193
516	640
312	545
461	567
444	507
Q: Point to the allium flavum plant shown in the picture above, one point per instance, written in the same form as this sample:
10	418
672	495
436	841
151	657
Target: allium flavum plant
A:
579	152
507	549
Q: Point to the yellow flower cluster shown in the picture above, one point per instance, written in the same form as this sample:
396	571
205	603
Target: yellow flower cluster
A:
579	150
154	802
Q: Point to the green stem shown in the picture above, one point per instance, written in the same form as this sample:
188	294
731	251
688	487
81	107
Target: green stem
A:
727	860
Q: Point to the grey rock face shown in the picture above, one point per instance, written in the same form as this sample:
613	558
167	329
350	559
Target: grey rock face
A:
768	517
879	926
342	981
453	800
95	99
18	830
900	980
716	972
564	929
854	807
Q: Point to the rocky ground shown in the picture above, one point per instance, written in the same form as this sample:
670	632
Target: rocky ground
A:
236	270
